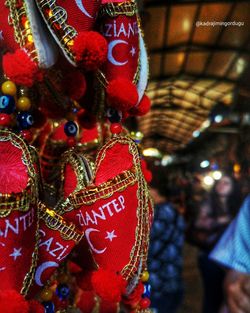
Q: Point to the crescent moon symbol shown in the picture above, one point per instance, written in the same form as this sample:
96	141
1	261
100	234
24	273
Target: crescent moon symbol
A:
87	234
111	58
41	269
82	8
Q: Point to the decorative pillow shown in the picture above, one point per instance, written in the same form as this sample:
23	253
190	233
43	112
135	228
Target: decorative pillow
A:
18	213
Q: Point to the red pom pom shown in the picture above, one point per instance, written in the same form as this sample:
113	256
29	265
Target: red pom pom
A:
86	119
20	69
12	302
122	94
108	285
74	84
143	107
145	303
35	307
86	302
90	49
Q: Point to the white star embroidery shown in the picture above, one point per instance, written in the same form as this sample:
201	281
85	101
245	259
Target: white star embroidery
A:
1	35
132	51
16	253
110	235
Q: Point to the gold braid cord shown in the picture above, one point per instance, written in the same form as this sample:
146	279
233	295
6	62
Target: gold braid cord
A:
128	8
92	193
56	19
10	202
22	30
54	221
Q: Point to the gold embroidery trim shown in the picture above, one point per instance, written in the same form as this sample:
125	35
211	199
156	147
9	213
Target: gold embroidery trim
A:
54	221
128	8
56	18
91	194
22	31
16	202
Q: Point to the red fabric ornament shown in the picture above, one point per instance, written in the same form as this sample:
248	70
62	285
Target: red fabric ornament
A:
86	302
19	68
114	200
35	307
13	173
122	94
108	285
12	302
90	50
74	84
143	107
48	262
86	119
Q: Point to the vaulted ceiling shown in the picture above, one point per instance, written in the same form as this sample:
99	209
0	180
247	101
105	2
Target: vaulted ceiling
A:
193	68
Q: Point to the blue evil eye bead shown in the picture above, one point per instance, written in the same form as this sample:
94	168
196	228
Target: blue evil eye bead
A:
49	307
25	120
113	115
70	129
62	291
147	291
7	104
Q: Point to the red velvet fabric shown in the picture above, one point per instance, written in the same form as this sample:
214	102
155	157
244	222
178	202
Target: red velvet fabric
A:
13	172
16	230
122	34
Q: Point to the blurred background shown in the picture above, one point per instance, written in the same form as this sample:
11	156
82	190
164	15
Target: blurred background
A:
198	128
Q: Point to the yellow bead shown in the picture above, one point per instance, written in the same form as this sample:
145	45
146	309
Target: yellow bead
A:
23	103
9	88
144	276
46	294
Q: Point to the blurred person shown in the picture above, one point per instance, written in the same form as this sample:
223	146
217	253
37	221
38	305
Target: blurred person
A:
215	214
233	252
165	261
